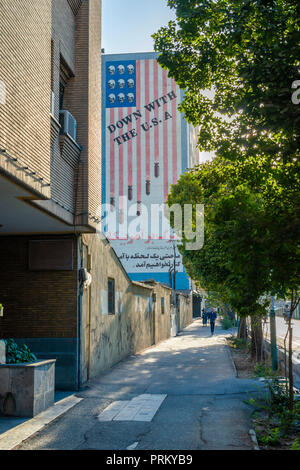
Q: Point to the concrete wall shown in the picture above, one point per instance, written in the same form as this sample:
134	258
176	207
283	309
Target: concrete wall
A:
162	323
106	339
26	389
184	311
2	352
138	322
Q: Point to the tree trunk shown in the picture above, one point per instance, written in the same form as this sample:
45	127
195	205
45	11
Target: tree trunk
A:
242	332
257	352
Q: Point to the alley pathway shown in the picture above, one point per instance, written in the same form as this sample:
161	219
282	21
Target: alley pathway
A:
182	394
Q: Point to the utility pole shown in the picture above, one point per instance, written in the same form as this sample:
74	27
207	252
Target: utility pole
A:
174	275
273	336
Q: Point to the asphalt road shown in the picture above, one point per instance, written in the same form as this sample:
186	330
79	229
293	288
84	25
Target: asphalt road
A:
281	329
203	408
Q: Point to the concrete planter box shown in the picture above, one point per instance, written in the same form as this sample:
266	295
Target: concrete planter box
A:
2	352
26	389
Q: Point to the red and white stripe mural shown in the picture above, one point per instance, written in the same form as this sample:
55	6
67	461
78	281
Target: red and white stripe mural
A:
145	136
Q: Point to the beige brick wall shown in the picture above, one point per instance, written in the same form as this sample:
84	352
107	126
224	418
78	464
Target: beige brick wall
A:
25	69
83	99
26	30
76	35
94	176
38	304
63	33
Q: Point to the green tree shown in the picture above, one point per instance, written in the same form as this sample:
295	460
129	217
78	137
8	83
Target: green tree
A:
247	51
234	260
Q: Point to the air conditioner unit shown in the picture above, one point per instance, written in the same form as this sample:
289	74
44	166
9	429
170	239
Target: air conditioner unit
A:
68	123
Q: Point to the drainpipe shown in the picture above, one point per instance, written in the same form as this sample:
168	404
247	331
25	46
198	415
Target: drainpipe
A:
79	312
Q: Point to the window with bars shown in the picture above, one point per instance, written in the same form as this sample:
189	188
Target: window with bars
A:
162	302
111	296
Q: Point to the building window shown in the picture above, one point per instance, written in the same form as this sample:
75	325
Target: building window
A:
61	95
111	296
162	300
65	75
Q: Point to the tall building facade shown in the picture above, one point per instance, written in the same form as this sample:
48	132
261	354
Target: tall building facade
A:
50	171
64	291
146	145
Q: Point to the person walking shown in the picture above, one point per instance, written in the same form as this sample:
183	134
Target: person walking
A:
286	312
212	317
204	317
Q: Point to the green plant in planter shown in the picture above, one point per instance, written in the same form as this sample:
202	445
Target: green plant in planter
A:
18	354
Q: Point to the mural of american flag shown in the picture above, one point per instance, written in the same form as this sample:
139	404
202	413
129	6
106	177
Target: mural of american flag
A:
138	92
145	137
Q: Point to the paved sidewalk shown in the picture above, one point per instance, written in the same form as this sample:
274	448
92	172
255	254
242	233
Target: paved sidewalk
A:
186	389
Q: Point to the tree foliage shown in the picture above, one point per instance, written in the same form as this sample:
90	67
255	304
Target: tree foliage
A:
248	52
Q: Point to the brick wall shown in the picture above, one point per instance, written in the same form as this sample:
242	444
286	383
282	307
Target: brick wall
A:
94	176
40	308
83	99
77	38
25	69
38	304
26	31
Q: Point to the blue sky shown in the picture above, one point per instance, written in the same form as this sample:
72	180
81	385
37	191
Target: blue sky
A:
127	25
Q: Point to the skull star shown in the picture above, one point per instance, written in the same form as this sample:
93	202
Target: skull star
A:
130	69
111	69
112	98
130	97
121	97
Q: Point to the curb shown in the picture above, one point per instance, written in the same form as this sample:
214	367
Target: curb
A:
231	359
253	437
9	440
